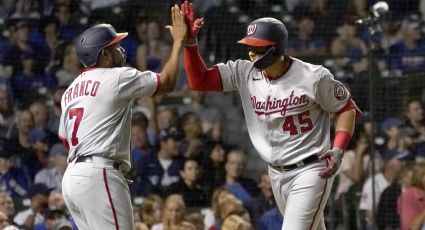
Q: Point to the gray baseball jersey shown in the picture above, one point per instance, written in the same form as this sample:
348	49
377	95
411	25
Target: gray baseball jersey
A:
288	117
96	108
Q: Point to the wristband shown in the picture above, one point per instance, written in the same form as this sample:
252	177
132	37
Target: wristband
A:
342	138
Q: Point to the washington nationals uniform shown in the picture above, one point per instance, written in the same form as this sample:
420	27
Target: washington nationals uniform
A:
96	109
288	120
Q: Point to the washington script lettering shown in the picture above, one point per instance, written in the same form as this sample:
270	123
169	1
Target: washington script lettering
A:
279	105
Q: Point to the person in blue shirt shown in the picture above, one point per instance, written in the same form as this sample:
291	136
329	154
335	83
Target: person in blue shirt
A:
306	43
13	180
159	170
408	55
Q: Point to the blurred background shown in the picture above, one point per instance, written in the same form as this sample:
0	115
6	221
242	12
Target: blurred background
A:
202	137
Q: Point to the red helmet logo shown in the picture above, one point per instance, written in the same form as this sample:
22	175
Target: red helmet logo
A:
251	29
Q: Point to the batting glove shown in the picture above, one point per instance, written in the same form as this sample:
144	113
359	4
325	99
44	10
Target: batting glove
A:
193	25
334	159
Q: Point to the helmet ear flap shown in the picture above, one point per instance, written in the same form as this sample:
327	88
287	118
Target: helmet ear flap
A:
271	55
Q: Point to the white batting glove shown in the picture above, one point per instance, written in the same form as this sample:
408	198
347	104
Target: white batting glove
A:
334	159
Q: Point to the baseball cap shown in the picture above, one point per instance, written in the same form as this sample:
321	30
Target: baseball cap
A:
37	135
396	154
391	122
171	132
411	21
58	149
39	188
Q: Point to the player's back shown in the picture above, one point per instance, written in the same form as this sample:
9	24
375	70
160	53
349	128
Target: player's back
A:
96	111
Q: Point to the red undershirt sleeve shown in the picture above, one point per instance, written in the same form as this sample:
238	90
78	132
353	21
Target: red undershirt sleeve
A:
199	76
351	105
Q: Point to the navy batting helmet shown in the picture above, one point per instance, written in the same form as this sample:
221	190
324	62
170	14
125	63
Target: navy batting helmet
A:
93	40
267	32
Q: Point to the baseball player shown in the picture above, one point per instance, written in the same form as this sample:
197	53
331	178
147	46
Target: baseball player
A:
95	124
287	105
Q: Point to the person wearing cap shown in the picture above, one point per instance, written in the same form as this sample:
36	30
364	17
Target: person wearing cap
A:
411	44
393	162
96	120
390	128
160	170
38	194
20	45
14	180
288	105
52	175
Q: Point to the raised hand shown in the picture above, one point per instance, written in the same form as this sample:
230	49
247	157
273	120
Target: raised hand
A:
193	25
334	159
178	29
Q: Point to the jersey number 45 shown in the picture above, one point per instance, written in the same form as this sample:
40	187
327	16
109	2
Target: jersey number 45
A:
303	124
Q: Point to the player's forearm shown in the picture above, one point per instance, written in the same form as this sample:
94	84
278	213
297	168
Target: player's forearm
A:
344	128
170	70
346	121
199	76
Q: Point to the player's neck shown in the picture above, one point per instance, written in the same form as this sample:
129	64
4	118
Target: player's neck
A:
279	68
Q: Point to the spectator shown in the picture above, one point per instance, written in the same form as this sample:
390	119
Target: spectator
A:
383	179
46	38
262	203
174	211
67	32
235	222
271	219
7	206
412	46
306	43
387	216
21	45
40	144
189	187
196	219
51	218
230	205
141	147
7	112
211	117
414	115
68	64
52	176
150	55
411	202
390	128
162	169
32	216
152	210
213	219
40	112
13	180
167	117
213	167
19	144
193	141
243	188
26	9
350	50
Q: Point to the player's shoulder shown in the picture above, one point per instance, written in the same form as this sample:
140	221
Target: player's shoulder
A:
316	71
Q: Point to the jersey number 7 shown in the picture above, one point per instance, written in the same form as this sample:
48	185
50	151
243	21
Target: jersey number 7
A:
78	113
304	122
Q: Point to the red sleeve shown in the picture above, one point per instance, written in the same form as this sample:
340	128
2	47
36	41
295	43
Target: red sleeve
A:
198	75
349	106
64	142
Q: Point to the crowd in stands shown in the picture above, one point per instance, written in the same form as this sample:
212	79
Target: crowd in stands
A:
194	167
